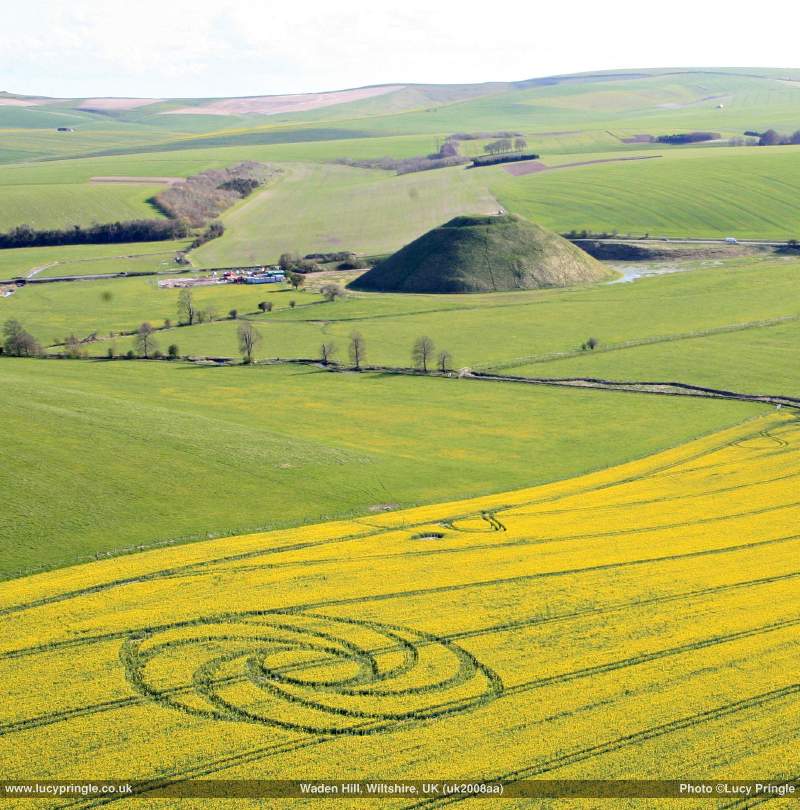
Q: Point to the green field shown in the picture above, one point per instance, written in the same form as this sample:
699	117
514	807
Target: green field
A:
727	323
84	260
51	311
757	360
744	192
103	457
711	310
64	204
485	331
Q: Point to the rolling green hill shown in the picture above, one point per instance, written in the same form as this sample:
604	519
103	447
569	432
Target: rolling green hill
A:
748	192
483	254
567	119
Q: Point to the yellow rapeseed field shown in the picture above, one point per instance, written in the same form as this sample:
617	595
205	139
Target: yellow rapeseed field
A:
642	621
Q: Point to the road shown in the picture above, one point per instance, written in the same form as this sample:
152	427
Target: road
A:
676	241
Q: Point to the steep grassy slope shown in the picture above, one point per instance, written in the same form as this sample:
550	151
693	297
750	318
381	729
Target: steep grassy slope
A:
483	254
323	208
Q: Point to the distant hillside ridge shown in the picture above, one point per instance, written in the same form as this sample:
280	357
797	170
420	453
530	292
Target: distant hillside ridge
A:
483	254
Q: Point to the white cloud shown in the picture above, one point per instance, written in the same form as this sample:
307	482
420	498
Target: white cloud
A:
242	47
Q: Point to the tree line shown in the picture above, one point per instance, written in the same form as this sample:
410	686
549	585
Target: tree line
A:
505	145
136	230
687	137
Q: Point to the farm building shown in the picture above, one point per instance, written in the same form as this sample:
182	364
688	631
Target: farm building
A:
270	277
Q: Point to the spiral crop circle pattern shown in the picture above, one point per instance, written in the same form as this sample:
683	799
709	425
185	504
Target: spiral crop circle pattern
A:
306	672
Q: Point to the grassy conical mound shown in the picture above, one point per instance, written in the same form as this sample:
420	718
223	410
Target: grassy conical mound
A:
483	254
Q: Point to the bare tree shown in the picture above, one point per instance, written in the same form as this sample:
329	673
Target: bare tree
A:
357	349
422	352
444	361
187	312
520	143
249	338
144	341
327	352
72	347
332	291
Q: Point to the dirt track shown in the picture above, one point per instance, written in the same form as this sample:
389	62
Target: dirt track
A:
535	166
149	181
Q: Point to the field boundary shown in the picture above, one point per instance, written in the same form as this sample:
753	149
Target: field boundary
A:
632	344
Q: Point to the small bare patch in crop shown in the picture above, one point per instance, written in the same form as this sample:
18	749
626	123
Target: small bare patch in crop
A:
428	536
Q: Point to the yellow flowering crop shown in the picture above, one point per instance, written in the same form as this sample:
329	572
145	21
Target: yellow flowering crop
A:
639	622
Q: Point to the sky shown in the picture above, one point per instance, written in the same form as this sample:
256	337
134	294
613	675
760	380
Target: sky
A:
202	48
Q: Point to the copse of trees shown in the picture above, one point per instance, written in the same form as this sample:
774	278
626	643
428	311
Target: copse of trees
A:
243	186
512	157
291	263
17	342
213	231
773	138
688	137
326	258
504	145
204	196
297	280
332	291
135	230
346	259
499	147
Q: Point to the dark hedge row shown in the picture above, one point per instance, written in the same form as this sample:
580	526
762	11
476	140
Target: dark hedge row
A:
135	230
